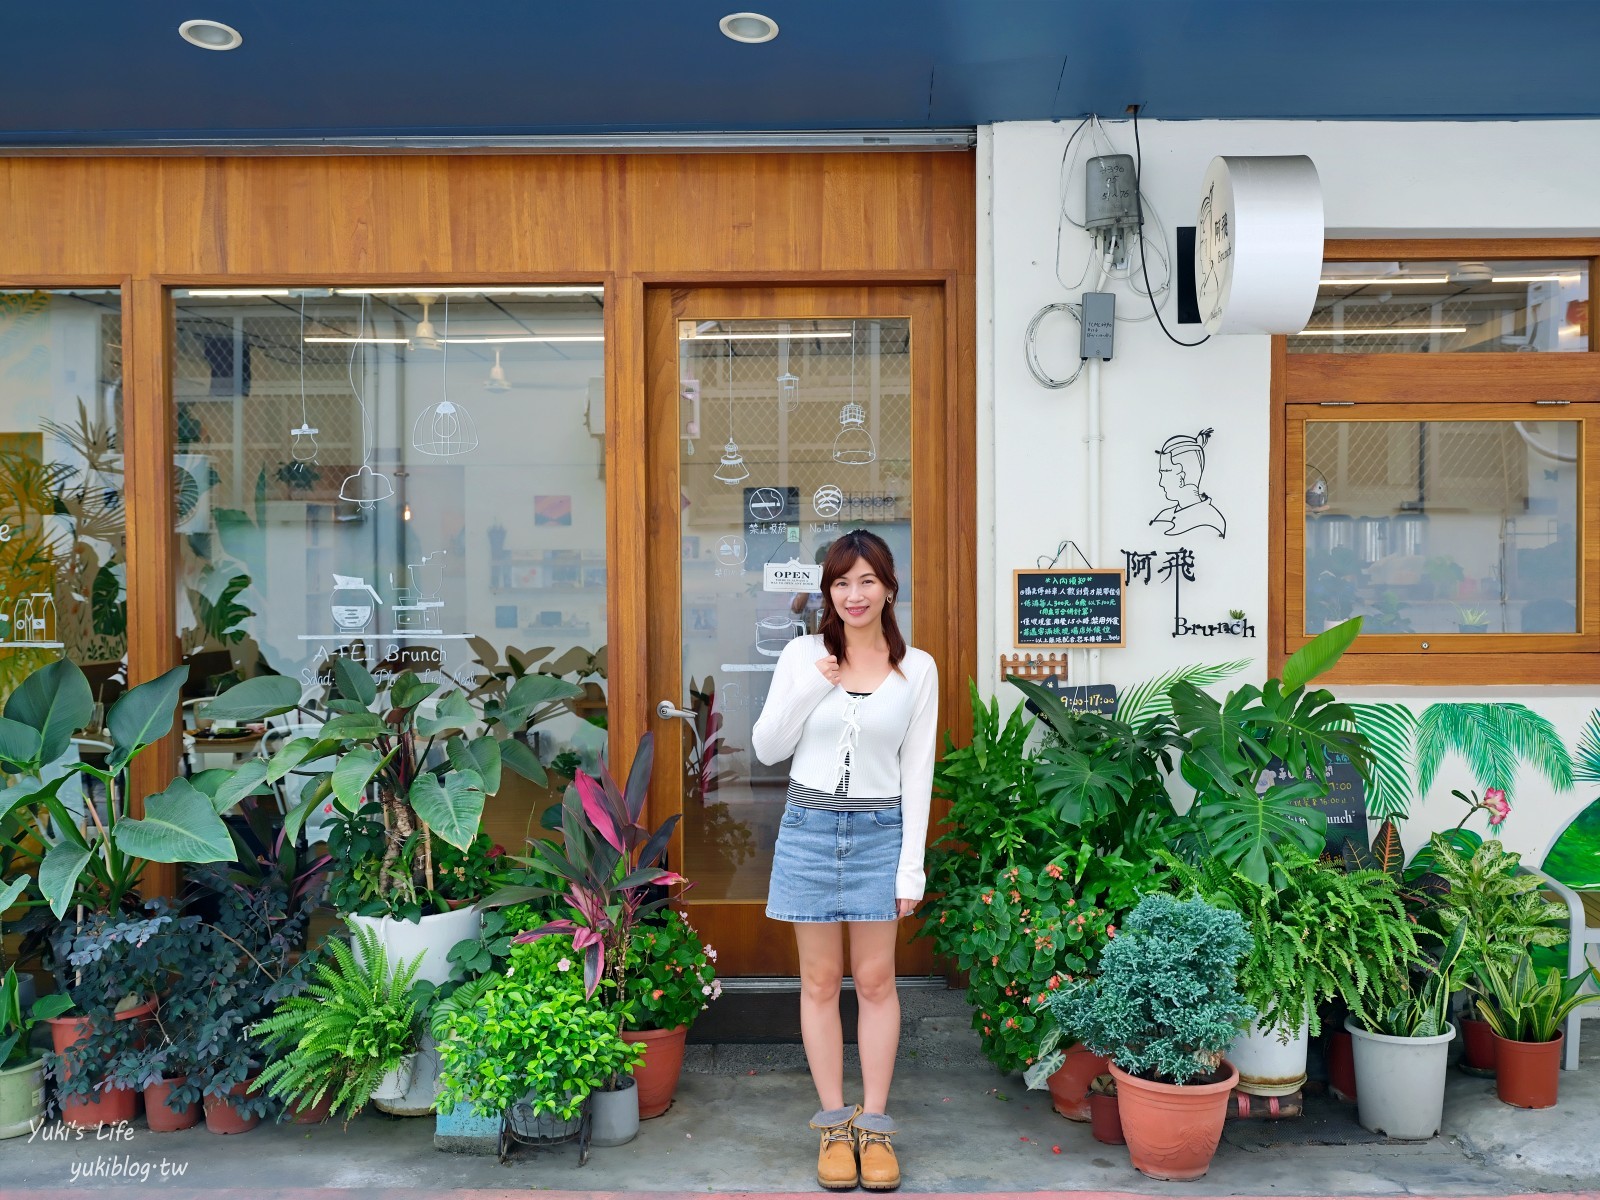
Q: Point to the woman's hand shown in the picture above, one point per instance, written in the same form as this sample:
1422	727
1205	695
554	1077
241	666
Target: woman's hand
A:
904	908
829	666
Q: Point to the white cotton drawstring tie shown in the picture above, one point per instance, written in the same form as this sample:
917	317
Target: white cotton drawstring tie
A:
848	739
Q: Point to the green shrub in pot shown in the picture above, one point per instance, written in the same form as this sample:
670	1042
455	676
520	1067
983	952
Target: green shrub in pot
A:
669	977
534	1034
1164	1008
1166	1003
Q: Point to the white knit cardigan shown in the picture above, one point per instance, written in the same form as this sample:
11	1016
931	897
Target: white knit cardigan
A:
890	736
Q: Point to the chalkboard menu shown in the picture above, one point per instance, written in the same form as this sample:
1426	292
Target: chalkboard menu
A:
1069	608
1344	804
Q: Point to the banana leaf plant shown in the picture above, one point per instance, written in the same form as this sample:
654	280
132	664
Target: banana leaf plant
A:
607	865
412	776
95	859
1258	757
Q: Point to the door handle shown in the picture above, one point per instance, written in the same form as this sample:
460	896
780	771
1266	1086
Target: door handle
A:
666	710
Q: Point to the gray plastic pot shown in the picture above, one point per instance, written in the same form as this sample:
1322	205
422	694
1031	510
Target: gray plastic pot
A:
1400	1081
616	1114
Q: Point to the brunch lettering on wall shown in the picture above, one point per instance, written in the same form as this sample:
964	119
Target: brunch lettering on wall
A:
1178	567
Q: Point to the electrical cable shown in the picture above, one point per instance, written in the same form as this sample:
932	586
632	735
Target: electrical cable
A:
1138	193
1030	346
1061	214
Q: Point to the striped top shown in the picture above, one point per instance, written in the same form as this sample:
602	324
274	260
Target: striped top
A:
840	801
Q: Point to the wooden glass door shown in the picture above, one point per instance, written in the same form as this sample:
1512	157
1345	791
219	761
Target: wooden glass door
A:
779	417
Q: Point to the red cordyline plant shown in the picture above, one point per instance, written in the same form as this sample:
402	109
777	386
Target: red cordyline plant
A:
608	862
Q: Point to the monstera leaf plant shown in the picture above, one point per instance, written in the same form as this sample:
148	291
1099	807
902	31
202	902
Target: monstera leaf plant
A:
400	776
89	851
1257	757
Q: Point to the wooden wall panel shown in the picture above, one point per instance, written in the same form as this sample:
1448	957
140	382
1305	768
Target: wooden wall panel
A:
484	216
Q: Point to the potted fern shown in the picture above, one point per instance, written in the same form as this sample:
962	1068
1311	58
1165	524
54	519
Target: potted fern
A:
1324	933
1164	1009
348	1034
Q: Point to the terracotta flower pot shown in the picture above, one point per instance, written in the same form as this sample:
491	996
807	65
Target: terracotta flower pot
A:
1527	1074
1172	1131
316	1114
1069	1087
159	1115
1105	1119
223	1117
1341	1066
114	1104
657	1073
1477	1046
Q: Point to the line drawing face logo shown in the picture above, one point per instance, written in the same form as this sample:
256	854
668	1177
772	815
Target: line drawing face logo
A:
766	504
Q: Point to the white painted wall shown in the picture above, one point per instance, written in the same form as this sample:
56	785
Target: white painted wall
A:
1403	179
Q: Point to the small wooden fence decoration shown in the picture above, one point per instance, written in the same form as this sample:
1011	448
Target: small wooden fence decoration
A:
1034	667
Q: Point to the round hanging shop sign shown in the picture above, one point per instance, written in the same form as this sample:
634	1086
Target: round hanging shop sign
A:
1258	243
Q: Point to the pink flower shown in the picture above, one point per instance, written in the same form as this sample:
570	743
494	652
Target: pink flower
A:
657	994
1496	805
706	990
716	988
711	954
564	965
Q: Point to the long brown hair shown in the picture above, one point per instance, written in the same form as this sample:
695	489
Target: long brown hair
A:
842	555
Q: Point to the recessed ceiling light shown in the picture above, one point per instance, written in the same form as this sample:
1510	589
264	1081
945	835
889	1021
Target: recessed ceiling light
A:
210	35
749	27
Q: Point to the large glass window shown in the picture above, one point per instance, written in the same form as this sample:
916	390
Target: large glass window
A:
413	477
1454	306
62	578
1442	526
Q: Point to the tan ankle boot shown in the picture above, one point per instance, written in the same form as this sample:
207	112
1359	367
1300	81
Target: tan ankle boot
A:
836	1159
880	1170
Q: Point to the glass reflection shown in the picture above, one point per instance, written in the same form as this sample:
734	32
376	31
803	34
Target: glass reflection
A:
1442	526
821	410
62	527
412	478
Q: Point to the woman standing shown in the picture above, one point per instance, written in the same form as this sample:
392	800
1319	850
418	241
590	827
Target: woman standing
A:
858	709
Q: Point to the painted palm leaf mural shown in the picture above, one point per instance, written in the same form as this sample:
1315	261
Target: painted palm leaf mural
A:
1575	857
1410	752
1494	739
1391	729
1150	698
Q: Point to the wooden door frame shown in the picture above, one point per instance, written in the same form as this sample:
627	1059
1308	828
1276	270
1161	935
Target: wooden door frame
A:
943	465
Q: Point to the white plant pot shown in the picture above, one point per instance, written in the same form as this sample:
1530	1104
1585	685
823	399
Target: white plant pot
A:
1400	1082
432	937
416	1098
1269	1066
395	1084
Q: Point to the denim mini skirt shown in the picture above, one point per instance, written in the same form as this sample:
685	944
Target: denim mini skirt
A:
834	866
